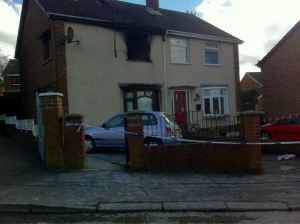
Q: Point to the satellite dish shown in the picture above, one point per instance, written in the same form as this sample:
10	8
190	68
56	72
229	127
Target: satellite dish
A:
70	35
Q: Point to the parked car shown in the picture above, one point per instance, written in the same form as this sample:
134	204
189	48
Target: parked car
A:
286	128
111	133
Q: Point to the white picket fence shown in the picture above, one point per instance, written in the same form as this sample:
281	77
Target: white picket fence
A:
23	125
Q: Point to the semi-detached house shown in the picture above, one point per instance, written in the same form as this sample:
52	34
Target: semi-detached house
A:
107	56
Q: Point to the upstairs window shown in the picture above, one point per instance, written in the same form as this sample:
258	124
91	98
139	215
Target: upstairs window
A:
46	38
138	46
15	80
46	43
212	54
179	51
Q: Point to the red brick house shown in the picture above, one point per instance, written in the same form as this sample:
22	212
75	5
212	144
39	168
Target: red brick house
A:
251	80
251	90
11	76
280	70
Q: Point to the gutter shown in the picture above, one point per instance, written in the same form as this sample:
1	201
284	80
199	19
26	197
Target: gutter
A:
63	16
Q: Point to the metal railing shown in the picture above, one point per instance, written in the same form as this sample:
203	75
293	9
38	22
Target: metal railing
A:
199	126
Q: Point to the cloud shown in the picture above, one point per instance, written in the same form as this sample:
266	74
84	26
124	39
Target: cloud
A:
259	23
9	23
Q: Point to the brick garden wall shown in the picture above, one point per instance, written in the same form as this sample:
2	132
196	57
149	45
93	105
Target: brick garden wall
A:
25	138
195	157
11	106
203	157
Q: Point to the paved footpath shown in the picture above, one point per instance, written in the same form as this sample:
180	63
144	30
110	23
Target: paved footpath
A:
107	186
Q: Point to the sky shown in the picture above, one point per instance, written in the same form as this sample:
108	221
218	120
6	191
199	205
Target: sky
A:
259	23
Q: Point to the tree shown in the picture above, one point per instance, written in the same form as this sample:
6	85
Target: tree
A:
3	62
250	95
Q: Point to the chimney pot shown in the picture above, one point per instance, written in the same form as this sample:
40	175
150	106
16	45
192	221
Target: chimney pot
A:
153	4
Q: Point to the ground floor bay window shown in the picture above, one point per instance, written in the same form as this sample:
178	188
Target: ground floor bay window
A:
215	100
141	97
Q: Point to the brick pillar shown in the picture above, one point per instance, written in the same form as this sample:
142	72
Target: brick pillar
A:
74	145
135	142
52	114
250	123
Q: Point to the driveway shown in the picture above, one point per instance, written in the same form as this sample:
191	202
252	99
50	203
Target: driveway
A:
107	186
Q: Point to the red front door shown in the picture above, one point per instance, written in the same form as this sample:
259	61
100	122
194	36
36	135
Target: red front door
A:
180	107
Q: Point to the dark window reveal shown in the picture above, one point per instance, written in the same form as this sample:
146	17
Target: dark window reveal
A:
46	37
138	46
46	43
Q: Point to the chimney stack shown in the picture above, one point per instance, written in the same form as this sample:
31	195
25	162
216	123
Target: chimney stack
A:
153	4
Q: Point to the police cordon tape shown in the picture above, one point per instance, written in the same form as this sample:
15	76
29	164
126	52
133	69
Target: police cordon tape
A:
175	139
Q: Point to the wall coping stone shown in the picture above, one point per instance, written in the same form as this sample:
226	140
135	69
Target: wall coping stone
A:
252	112
51	94
69	116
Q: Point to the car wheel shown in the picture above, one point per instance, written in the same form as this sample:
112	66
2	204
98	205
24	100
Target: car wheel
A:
153	141
265	135
90	145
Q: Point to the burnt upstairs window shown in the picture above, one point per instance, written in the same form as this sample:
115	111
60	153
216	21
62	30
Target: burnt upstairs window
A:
46	37
138	46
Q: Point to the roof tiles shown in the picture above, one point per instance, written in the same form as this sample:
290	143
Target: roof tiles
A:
123	14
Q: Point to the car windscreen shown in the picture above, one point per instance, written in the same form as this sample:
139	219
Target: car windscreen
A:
169	119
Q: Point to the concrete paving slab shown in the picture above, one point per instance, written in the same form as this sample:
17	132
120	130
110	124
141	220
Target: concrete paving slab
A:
212	206
257	206
129	207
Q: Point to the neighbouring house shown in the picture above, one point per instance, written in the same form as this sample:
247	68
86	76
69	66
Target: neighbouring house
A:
11	79
280	70
10	103
251	91
107	56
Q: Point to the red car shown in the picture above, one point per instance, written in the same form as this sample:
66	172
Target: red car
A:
286	128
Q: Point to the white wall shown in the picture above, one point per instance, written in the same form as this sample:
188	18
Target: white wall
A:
94	72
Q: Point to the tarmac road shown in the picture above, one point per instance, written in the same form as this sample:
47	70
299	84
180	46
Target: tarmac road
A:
157	218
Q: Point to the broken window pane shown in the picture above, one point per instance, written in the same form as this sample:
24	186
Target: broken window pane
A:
138	46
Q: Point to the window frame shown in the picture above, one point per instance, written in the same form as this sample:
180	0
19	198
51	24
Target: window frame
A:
208	49
13	80
186	47
130	96
222	97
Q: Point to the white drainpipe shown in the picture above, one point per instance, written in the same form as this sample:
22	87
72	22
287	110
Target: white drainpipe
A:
165	72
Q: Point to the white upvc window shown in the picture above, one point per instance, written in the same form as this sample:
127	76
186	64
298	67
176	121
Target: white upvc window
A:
215	100
212	54
179	51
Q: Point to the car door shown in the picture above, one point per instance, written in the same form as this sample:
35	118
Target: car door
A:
286	129
113	133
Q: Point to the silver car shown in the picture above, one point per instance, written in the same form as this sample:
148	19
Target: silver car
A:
111	133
